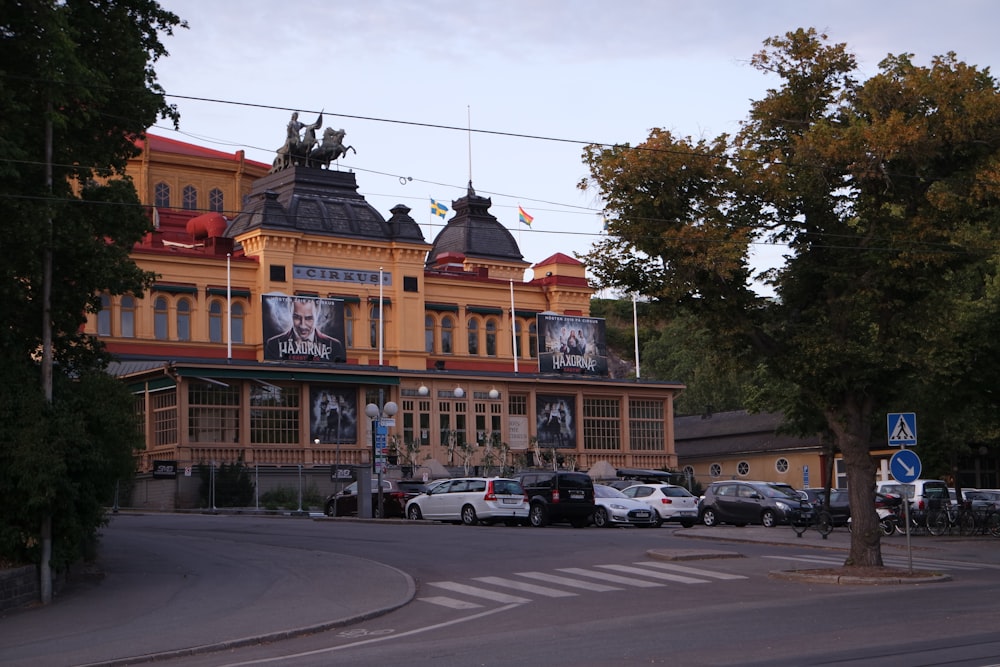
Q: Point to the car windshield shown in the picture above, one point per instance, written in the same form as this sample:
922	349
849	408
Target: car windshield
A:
675	491
508	487
602	491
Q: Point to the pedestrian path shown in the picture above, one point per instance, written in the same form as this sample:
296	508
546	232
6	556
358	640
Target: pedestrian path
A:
567	582
920	563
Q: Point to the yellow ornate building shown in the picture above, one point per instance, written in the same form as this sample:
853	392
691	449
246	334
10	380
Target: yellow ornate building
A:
447	329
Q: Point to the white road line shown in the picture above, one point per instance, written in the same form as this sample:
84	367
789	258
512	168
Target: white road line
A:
478	592
628	569
690	570
451	603
527	588
566	581
613	578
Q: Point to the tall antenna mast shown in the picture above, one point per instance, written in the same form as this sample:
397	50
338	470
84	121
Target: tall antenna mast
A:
468	111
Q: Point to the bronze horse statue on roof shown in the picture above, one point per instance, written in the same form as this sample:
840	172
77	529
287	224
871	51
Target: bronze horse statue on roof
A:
331	149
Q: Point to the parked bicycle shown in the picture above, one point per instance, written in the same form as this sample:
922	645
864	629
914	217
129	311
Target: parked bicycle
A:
819	520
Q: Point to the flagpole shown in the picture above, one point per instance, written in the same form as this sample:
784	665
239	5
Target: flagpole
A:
229	307
381	317
513	325
635	329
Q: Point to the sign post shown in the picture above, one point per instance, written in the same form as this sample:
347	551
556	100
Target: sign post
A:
905	467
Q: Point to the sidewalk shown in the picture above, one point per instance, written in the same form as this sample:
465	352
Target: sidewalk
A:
143	608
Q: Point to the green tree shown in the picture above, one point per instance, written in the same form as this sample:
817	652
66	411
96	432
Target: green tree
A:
77	89
884	192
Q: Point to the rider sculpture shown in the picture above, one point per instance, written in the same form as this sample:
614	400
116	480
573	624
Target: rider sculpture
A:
296	149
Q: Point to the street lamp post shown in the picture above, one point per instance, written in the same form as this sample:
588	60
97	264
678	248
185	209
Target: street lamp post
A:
377	414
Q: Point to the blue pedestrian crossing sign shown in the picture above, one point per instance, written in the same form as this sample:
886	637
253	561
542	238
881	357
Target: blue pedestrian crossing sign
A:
902	428
905	466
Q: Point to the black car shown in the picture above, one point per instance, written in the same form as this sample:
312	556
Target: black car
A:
840	504
395	493
767	503
558	497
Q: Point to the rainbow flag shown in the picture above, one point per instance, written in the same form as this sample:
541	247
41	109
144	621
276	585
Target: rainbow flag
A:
437	208
523	216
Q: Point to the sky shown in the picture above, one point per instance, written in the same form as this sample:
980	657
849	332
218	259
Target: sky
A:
506	93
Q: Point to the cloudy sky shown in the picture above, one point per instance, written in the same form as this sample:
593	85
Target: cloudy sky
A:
535	80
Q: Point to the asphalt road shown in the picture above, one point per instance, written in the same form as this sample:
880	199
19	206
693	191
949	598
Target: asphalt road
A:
228	590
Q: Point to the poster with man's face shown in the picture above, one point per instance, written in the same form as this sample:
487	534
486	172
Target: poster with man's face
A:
303	328
333	417
555	422
569	344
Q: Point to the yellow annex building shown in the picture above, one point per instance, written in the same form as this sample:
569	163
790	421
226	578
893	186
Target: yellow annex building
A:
285	303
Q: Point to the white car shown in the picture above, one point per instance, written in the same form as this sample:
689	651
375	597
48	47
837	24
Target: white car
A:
614	508
471	500
671	502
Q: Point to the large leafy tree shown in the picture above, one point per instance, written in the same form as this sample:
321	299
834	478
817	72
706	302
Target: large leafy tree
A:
77	88
885	193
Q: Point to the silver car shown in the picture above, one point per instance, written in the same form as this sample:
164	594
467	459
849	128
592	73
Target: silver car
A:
472	500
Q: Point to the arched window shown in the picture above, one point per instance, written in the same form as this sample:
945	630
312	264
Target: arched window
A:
447	324
162	195
429	333
160	318
127	316
237	319
491	337
215	314
190	199
104	316
349	325
473	336
216	200
183	320
533	341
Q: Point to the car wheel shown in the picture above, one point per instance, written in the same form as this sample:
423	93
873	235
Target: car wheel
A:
537	516
469	517
331	509
413	513
708	517
687	524
657	519
768	519
601	518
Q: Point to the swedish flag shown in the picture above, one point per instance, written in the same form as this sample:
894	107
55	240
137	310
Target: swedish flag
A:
437	208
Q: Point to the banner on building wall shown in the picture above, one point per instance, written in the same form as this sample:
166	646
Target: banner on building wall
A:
569	344
556	425
334	414
164	469
518	436
303	328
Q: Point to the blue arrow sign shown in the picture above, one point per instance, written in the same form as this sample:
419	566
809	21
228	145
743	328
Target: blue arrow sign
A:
905	466
902	429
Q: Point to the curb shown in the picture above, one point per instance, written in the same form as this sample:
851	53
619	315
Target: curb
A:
811	577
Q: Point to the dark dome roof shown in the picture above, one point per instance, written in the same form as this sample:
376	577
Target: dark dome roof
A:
320	202
475	233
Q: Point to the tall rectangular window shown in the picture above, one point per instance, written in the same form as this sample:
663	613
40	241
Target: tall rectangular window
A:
213	413
602	423
646	426
274	415
164	417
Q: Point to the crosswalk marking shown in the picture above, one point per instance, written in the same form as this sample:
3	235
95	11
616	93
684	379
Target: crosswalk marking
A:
566	581
479	592
613	578
679	578
451	603
526	587
691	570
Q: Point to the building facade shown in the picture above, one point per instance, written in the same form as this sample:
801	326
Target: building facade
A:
284	304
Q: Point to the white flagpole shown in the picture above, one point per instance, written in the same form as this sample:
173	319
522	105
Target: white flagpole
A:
513	325
381	317
635	329
229	306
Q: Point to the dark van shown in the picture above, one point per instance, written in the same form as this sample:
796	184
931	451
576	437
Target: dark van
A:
558	497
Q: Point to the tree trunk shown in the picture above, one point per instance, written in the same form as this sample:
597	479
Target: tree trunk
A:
852	427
